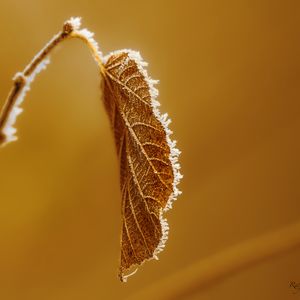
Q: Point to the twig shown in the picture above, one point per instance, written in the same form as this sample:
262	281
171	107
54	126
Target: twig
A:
22	80
206	272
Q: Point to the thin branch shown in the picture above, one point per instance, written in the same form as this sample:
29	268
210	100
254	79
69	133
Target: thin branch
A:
22	80
206	272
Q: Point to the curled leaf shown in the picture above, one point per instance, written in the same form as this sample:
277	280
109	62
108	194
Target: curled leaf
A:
149	171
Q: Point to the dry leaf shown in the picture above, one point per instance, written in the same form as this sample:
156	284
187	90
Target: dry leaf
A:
148	158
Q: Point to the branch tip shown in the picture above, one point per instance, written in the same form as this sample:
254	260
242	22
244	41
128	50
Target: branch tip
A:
71	25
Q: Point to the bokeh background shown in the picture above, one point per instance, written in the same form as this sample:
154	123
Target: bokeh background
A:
229	78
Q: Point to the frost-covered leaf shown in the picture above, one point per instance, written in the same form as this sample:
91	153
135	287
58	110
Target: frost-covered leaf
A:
148	158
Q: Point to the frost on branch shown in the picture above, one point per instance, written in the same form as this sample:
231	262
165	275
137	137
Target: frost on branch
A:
8	131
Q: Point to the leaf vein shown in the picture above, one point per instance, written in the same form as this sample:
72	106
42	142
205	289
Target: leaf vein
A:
139	188
146	125
128	88
136	221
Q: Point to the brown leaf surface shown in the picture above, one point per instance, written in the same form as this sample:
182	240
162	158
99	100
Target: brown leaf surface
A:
148	159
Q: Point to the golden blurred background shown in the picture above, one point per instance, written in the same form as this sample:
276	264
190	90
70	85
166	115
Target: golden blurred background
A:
229	76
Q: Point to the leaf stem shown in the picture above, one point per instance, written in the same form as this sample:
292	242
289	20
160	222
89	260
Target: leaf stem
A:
209	271
92	44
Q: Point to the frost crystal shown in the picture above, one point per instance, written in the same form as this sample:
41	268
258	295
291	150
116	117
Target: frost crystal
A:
75	22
